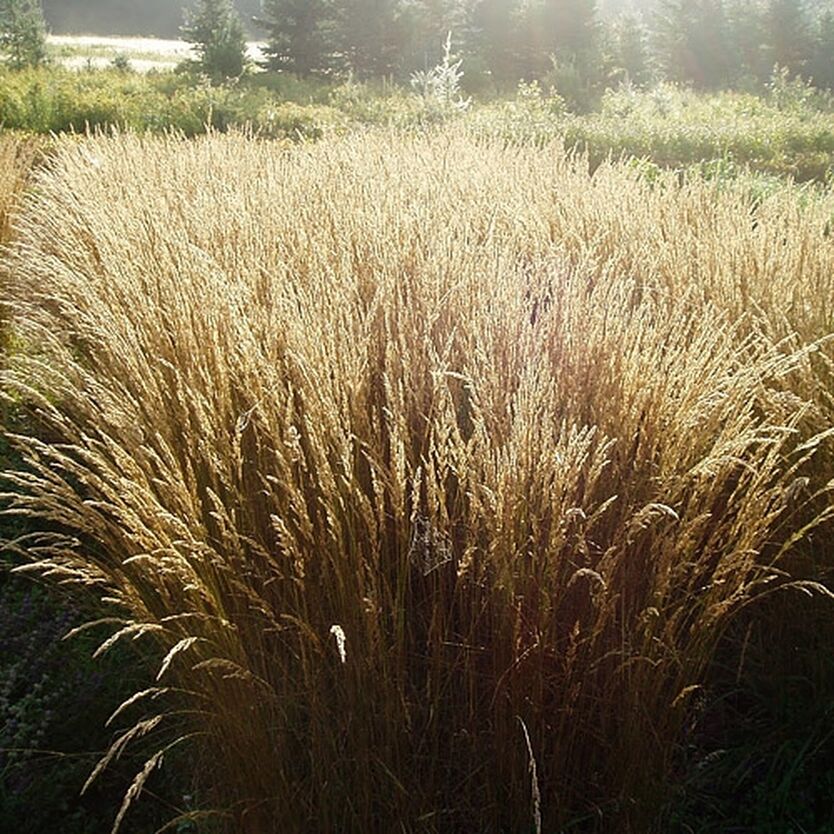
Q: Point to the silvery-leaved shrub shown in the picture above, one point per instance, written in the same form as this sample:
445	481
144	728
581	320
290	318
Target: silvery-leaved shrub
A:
439	87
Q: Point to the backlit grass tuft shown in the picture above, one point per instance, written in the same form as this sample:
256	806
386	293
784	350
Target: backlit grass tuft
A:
433	469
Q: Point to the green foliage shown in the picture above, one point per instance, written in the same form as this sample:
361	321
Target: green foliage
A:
288	87
630	56
54	701
578	90
22	33
794	94
287	120
386	106
300	35
760	753
693	43
59	100
788	35
215	29
533	116
429	22
677	129
709	44
496	23
440	86
121	62
571	31
821	65
371	36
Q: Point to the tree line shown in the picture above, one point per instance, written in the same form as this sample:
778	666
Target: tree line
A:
160	18
708	44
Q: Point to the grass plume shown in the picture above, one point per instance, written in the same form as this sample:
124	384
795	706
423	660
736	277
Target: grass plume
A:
530	437
17	156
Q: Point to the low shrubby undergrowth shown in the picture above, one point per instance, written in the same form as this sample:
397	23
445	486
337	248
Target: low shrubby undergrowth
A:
56	100
54	702
789	132
434	469
677	129
274	106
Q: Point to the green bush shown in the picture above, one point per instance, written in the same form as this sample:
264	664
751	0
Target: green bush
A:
677	128
787	134
287	120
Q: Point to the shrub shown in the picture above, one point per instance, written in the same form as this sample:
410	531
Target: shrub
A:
121	62
677	128
439	87
293	121
533	116
793	93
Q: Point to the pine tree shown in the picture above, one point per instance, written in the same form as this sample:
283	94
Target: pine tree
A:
668	36
22	33
788	34
821	67
571	37
430	21
630	46
496	38
216	30
693	43
716	56
746	21
570	29
301	35
371	36
544	33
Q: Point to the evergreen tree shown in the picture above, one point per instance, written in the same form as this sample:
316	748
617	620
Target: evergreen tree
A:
429	23
788	36
821	66
717	57
371	36
672	19
22	33
570	30
631	58
496	38
555	33
746	22
571	36
301	35
693	43
216	30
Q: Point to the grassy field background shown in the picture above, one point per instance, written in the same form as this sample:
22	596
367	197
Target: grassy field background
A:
142	54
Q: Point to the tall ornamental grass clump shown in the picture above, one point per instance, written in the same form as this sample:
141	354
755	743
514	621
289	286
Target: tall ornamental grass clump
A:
17	156
433	469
